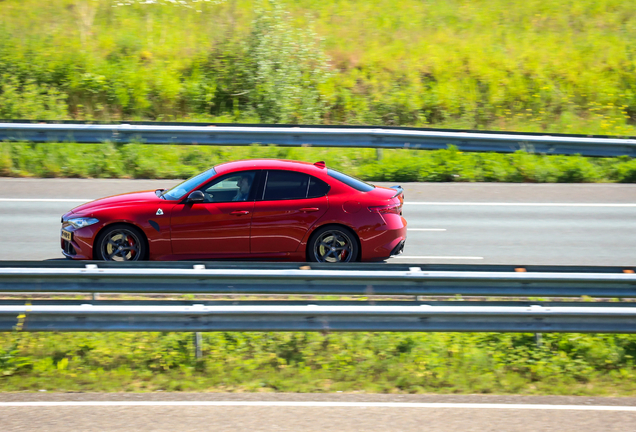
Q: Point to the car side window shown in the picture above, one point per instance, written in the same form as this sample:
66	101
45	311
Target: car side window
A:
317	188
232	187
285	185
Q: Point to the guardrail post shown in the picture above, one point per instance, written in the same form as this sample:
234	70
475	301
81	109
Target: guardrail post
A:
416	269
93	267
198	354
538	339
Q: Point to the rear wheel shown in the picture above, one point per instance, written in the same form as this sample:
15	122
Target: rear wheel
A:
332	244
120	243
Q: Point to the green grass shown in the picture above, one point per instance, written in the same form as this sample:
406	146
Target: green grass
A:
568	364
527	65
173	161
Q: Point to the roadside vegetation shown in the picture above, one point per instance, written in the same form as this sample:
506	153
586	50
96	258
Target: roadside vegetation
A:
522	65
172	161
538	66
567	364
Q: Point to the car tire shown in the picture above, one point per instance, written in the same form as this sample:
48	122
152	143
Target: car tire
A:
333	244
120	242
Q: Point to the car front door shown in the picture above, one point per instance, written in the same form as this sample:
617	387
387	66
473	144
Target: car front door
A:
221	224
291	204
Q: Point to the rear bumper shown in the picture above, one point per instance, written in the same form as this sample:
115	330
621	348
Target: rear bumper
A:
399	248
385	241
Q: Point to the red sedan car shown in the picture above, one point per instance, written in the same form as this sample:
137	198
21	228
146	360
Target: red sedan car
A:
251	209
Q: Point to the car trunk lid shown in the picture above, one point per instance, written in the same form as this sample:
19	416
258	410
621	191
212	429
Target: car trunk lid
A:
389	200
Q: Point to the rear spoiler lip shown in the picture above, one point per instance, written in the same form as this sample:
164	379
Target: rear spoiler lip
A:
399	191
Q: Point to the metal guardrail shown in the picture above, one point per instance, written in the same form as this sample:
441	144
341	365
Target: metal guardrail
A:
198	279
320	136
287	265
373	314
198	318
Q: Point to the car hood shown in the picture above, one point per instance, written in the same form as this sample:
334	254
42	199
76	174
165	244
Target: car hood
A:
117	201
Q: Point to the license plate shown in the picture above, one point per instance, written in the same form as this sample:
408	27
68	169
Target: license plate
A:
68	236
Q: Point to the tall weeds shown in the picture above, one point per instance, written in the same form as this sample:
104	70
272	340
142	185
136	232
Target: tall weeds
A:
551	65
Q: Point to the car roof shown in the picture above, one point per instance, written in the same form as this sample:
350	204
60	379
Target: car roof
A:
284	164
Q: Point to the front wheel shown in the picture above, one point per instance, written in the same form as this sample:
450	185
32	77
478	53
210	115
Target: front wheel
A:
332	245
120	243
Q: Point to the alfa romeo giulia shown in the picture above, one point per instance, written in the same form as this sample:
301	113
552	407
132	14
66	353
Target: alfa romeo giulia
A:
250	209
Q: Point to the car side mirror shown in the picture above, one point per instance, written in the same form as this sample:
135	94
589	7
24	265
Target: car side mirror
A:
196	196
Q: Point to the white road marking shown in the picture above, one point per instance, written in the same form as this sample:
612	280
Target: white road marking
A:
45	200
319	405
426	229
437	203
438	257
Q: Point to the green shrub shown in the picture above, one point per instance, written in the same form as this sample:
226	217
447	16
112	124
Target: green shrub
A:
30	100
288	68
11	362
626	171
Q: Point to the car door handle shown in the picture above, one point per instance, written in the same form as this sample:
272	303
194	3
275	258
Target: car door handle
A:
309	209
240	212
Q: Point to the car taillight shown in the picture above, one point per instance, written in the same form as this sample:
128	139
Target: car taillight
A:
391	208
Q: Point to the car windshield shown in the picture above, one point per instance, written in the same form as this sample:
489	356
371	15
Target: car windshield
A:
181	189
351	181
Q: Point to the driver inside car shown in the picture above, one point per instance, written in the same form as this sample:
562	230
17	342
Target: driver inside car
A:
244	189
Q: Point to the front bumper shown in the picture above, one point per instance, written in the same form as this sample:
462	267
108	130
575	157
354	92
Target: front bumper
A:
80	247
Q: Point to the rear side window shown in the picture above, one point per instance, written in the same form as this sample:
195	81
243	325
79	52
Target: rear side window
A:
351	181
287	185
317	188
284	185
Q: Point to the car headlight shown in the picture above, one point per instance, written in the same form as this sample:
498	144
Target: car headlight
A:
82	222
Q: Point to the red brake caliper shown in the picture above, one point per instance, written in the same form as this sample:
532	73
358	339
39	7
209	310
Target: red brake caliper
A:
131	243
342	254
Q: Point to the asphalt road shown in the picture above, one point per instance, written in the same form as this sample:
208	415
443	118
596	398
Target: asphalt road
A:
463	223
308	412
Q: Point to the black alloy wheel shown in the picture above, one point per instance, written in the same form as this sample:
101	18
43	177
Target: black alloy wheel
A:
333	245
120	243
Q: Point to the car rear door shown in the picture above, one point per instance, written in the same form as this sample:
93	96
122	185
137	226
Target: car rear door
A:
219	226
291	204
